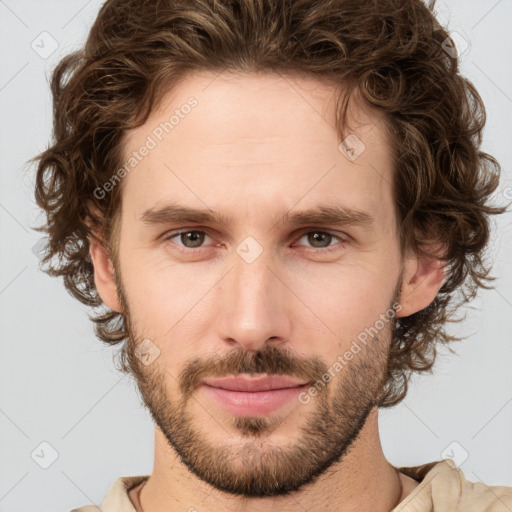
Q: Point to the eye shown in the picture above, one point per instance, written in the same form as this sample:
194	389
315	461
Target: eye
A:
190	239
321	239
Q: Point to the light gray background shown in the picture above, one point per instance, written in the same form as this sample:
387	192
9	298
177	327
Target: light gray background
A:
57	381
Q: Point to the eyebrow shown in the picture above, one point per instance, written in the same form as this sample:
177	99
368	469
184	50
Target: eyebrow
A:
324	214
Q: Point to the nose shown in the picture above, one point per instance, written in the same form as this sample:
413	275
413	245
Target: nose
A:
255	305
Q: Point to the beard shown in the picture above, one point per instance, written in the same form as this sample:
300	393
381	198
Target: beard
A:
255	466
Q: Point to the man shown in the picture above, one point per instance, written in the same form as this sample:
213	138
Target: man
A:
275	203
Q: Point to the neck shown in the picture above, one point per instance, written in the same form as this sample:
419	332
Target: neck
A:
362	481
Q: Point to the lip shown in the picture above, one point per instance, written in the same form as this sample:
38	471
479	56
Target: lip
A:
254	384
253	397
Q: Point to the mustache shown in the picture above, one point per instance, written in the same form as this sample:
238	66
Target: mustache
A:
270	360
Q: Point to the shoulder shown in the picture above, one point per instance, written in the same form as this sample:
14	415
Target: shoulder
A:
116	499
475	495
444	487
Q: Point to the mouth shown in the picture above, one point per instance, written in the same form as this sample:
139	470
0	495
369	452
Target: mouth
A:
253	396
254	384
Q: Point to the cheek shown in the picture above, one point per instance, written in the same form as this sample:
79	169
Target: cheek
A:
348	299
168	303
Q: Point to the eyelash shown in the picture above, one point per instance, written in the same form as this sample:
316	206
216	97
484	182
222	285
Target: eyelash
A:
190	250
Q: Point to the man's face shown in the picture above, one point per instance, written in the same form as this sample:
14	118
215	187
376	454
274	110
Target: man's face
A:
258	294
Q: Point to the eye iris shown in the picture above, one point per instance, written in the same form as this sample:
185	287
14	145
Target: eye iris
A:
313	238
196	238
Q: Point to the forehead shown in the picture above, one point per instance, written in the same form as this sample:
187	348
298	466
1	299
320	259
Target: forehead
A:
249	141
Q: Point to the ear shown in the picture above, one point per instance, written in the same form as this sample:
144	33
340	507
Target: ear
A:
104	274
422	279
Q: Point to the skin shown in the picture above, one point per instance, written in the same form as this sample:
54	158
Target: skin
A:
255	147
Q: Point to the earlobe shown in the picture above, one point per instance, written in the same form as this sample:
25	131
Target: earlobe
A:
422	279
104	274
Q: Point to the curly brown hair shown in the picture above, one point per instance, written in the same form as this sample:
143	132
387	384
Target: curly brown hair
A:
390	52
